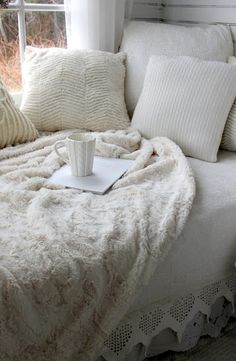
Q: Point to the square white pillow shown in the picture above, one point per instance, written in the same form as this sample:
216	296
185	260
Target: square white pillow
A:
66	89
229	136
187	100
15	128
143	39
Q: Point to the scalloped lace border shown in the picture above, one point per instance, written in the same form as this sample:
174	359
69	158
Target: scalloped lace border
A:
143	326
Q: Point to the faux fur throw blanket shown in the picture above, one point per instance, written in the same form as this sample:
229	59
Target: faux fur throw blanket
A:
72	262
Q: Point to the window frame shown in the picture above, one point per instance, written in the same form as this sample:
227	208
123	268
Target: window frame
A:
21	8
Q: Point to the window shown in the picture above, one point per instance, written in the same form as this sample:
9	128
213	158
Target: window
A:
38	23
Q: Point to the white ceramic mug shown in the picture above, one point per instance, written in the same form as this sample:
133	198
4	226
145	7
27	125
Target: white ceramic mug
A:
81	149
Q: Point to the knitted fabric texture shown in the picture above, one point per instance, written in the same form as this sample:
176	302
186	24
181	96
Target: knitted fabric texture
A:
229	135
187	100
67	89
143	39
73	262
15	127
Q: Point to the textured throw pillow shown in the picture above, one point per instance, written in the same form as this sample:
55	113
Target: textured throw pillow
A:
74	89
229	136
141	40
187	100
14	126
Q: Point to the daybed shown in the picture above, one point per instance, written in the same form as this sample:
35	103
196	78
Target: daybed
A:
193	292
192	289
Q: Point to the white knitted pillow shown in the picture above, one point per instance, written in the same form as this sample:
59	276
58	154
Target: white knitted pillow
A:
229	136
74	89
14	126
141	40
187	100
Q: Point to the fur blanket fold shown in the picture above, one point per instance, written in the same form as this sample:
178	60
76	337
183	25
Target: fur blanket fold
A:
72	262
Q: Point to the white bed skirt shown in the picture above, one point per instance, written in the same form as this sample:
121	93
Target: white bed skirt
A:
174	326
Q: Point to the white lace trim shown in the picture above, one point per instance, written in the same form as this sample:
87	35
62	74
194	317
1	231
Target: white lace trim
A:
141	327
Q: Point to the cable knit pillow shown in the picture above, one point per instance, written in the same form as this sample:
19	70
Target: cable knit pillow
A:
187	100
229	135
14	126
141	40
74	89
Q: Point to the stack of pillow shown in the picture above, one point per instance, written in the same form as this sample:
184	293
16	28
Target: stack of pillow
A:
178	85
66	89
176	80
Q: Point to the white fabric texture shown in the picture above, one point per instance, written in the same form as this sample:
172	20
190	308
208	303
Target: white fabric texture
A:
187	100
229	135
206	250
141	40
149	331
198	270
96	24
66	89
14	126
72	262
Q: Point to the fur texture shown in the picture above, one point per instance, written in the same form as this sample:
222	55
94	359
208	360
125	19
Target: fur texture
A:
72	262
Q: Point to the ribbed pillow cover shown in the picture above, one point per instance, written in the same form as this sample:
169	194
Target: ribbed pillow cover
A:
187	100
143	39
229	135
66	89
14	126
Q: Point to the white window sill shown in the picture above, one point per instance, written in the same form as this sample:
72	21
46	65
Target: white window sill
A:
17	97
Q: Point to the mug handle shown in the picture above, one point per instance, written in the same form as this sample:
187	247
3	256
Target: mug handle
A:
58	144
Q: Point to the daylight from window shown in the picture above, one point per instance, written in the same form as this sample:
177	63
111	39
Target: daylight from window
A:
35	23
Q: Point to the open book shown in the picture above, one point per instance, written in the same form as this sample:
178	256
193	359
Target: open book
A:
106	171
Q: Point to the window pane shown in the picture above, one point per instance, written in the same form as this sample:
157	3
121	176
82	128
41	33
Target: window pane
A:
46	29
10	71
45	1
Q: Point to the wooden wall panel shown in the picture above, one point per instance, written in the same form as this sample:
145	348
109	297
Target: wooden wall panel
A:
148	10
200	13
205	3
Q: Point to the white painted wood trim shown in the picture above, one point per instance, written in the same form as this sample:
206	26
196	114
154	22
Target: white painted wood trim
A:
147	10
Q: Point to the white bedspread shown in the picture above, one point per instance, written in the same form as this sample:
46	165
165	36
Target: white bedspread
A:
206	250
71	263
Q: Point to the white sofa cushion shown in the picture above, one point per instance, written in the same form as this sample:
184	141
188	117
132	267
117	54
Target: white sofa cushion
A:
14	126
66	89
187	100
229	135
143	39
